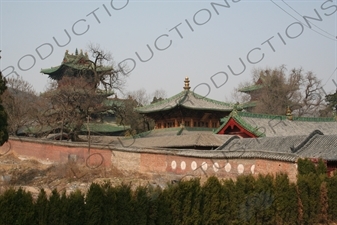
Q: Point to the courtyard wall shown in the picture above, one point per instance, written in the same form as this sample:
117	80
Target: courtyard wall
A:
170	164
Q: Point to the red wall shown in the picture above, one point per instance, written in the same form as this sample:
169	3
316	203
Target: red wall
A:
147	161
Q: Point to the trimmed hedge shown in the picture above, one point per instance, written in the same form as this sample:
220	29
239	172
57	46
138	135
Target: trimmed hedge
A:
248	200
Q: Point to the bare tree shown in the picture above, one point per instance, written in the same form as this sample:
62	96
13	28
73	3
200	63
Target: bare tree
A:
143	98
80	95
274	90
140	96
158	95
331	107
3	114
21	104
279	91
125	109
106	74
71	104
312	99
237	95
126	115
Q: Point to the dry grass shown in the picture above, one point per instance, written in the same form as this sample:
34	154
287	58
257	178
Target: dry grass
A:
33	175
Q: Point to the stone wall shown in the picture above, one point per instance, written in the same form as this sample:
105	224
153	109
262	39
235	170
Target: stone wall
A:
150	162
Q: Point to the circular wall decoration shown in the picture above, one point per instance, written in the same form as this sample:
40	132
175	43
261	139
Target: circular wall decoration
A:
194	165
96	165
173	165
241	168
204	166
252	169
228	167
216	167
183	165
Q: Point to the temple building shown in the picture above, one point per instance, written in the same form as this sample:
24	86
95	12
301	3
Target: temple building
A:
76	65
254	91
251	125
187	109
251	137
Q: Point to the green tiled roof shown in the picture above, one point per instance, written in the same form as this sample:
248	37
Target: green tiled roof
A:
77	62
187	99
274	125
104	127
249	127
76	67
50	70
283	117
237	117
251	88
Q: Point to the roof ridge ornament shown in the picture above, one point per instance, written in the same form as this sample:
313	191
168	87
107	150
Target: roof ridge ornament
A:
306	140
187	84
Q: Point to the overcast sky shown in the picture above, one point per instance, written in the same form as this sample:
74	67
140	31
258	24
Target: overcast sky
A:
215	43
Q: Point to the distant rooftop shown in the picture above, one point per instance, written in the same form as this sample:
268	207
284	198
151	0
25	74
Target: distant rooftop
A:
251	88
73	61
313	145
187	99
279	125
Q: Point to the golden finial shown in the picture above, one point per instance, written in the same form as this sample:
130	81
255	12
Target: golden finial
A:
187	84
288	114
